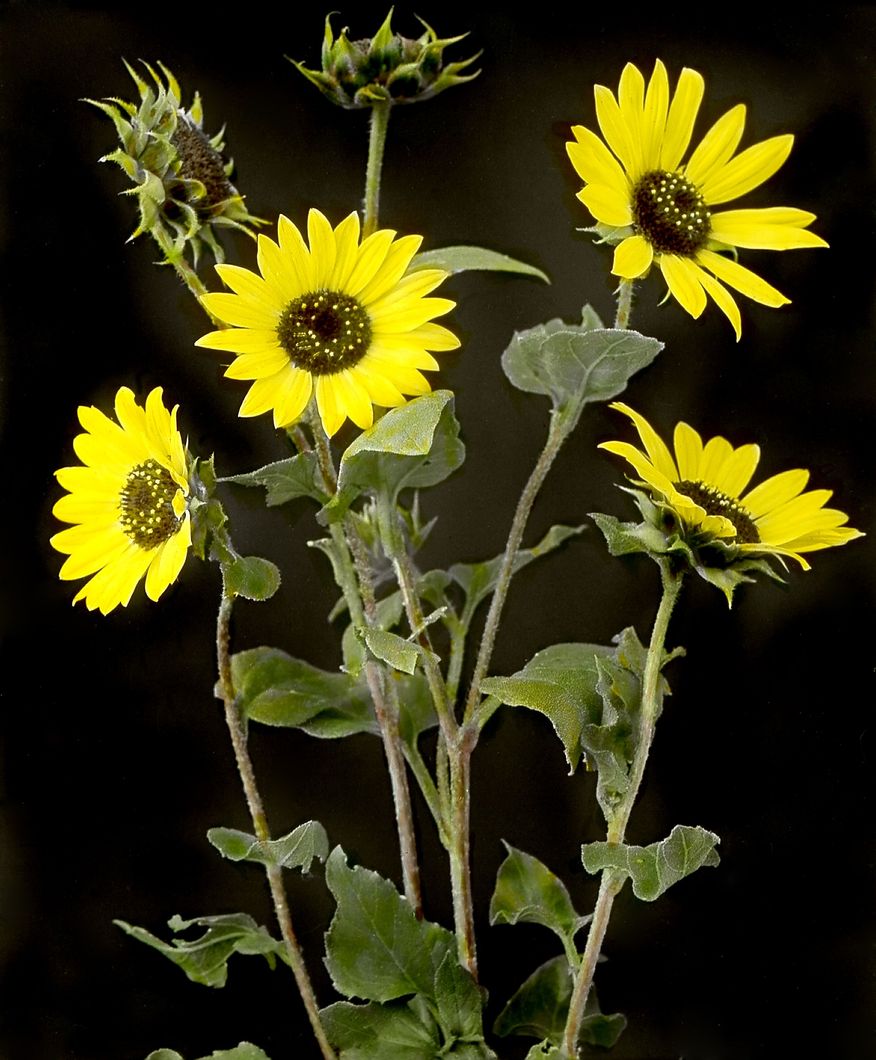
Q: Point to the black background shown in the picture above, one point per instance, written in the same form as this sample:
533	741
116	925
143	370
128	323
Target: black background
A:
116	759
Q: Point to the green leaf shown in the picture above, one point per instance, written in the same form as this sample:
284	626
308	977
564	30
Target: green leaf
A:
252	577
624	539
395	651
478	580
545	1051
466	259
655	868
416	706
559	682
389	612
459	1002
576	365
397	1031
376	948
540	1007
205	959
244	1051
730	578
274	688
413	446
527	890
285	480
296	850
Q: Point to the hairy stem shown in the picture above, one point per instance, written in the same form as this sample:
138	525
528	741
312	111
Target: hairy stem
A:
624	304
260	825
376	146
175	257
357	585
611	883
556	437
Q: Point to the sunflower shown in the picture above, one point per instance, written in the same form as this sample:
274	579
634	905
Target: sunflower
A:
659	211
346	321
129	503
703	486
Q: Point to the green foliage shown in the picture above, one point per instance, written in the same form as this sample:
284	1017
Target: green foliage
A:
392	649
575	364
540	1007
559	682
251	577
526	890
655	868
274	688
296	850
413	446
205	959
377	950
285	480
244	1051
467	259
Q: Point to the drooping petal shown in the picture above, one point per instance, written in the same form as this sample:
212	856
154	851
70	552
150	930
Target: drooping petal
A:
723	300
683	279
632	257
742	279
330	412
655	447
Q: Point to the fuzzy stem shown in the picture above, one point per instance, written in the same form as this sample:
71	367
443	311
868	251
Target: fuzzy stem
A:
254	802
556	437
624	304
173	256
357	586
376	145
611	882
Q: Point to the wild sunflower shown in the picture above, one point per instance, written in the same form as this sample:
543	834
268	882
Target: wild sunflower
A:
129	503
660	211
704	484
343	320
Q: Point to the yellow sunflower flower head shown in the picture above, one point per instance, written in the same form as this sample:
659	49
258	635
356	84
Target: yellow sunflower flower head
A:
183	185
385	68
128	501
661	211
706	510
346	321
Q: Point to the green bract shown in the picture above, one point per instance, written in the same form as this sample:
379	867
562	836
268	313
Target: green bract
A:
385	68
183	185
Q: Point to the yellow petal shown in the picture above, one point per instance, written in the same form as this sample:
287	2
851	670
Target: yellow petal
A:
378	387
682	114
688	452
353	399
749	169
168	561
654	119
683	279
741	279
723	300
347	251
297	257
284	272
632	257
655	447
398	258
608	205
241	312
717	145
775	491
240	340
406	317
716	453
250	287
612	124
640	463
260	396
372	254
257	365
593	161
321	238
735	470
631	99
330	413
292	397
755	229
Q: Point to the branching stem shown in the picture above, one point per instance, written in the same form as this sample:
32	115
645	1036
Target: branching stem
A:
257	814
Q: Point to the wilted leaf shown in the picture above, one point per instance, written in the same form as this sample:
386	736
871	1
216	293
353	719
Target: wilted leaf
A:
297	850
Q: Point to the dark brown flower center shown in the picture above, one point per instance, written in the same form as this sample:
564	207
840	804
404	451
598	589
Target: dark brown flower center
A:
324	332
671	213
715	502
146	501
199	160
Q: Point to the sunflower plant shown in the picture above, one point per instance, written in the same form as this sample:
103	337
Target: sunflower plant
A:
338	328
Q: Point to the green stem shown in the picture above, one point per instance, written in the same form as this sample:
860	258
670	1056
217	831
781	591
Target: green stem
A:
460	847
357	586
556	436
259	819
624	304
376	146
611	882
185	272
